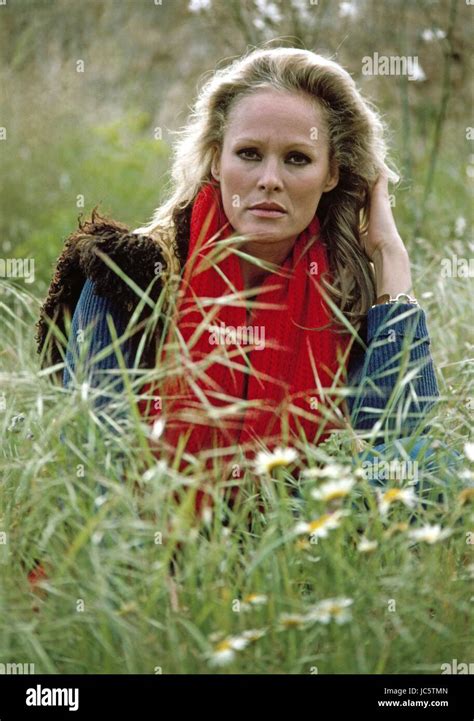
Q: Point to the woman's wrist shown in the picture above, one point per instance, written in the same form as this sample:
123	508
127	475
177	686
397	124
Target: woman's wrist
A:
392	270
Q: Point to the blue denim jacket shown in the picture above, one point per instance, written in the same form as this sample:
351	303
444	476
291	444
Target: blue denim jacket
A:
394	341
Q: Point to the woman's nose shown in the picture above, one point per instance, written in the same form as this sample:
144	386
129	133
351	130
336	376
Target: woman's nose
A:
270	177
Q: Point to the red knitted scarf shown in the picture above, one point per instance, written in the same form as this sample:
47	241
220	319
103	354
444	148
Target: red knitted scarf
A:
291	355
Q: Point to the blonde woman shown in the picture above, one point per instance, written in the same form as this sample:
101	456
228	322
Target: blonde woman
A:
277	219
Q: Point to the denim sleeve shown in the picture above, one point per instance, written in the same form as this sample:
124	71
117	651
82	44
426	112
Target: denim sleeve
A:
393	379
89	336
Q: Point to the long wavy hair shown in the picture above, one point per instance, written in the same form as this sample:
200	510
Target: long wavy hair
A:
357	145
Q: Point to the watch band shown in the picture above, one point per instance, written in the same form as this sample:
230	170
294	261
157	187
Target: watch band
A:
399	298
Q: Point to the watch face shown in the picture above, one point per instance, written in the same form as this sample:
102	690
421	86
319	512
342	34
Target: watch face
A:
400	297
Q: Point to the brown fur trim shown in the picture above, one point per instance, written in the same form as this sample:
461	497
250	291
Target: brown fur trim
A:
138	256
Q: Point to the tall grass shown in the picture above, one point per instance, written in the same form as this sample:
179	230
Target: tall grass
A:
136	583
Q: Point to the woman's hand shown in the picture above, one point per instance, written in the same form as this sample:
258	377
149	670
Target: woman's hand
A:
384	245
382	234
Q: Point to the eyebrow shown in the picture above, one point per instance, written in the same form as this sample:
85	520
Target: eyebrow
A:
300	143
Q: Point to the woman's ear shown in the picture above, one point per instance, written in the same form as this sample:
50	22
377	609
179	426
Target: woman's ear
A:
332	179
215	165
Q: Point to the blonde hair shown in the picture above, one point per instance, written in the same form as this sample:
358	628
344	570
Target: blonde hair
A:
356	144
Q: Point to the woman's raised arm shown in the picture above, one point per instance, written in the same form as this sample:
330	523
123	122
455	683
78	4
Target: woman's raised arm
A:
397	367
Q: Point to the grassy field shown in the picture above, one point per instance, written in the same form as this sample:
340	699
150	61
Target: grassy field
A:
382	585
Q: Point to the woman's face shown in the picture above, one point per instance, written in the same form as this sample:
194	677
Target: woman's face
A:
275	150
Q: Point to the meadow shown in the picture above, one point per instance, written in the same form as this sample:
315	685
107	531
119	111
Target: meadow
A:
321	574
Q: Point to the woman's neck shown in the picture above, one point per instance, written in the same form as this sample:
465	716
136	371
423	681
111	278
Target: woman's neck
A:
275	253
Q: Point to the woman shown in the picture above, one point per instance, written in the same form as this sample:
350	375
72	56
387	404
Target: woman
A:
279	222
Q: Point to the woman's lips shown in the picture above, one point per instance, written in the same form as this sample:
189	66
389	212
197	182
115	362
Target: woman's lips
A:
264	213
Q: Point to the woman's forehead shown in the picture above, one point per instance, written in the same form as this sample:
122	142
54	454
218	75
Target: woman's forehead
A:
266	115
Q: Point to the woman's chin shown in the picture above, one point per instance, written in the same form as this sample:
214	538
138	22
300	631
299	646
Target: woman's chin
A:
261	234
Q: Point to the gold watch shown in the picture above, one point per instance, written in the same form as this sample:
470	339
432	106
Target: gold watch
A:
399	298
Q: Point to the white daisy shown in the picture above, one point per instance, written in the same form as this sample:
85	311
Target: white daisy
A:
320	527
292	620
430	534
366	546
266	462
404	495
157	429
237	642
330	471
253	634
224	652
253	599
331	609
469	451
333	490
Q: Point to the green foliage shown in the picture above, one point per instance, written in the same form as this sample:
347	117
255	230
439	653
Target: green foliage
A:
82	493
116	165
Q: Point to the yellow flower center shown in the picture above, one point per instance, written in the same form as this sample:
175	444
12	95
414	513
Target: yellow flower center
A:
392	495
319	522
292	622
223	646
341	493
275	463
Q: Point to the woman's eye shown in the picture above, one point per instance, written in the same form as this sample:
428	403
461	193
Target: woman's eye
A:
300	157
296	158
246	152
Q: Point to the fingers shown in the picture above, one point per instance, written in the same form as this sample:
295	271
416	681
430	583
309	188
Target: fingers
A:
382	179
390	174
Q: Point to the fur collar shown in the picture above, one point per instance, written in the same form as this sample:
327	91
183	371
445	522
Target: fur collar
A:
137	256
